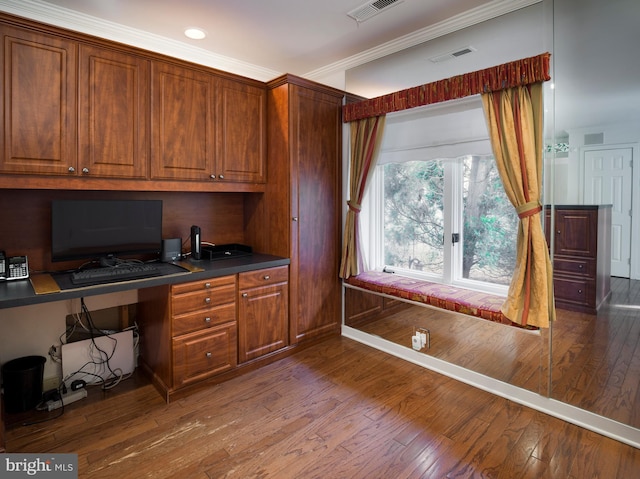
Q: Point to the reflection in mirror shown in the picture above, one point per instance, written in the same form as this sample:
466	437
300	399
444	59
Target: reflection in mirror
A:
588	359
596	354
505	353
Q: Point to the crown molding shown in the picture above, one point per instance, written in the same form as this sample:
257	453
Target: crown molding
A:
71	20
78	22
471	17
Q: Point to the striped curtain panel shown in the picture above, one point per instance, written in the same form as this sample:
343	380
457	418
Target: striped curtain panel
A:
366	136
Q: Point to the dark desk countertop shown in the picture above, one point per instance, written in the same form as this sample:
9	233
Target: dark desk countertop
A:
21	292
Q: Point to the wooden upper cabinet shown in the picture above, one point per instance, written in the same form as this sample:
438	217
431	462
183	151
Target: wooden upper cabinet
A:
39	103
182	123
113	132
242	133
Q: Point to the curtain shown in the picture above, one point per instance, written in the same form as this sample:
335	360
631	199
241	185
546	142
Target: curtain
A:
366	136
514	118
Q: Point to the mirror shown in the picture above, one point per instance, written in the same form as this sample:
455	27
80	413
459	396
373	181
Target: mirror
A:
586	360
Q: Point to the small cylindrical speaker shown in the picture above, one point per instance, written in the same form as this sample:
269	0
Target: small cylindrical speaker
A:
196	247
171	250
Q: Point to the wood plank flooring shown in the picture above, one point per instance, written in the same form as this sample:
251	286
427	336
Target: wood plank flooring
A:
595	359
338	409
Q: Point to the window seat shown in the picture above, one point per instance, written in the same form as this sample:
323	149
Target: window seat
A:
466	301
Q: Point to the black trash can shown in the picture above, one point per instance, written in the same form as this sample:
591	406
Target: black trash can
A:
22	381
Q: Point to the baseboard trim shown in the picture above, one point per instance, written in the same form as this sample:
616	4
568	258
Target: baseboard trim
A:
574	415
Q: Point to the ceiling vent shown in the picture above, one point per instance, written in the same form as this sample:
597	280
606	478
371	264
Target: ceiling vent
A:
370	9
451	55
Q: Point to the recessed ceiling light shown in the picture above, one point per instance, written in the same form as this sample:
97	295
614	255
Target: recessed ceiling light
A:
195	33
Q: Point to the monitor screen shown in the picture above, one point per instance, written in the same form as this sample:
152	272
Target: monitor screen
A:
87	229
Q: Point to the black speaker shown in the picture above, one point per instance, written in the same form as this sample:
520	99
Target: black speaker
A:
171	250
196	247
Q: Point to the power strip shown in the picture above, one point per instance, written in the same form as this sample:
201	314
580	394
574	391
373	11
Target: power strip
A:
70	397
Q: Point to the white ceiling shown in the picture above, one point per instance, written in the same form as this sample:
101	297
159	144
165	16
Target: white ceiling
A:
596	64
265	38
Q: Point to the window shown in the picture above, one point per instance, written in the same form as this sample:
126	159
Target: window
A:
436	207
424	200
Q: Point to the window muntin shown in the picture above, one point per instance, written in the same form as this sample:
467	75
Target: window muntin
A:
425	202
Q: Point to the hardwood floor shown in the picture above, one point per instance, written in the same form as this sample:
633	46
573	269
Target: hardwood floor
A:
595	358
339	409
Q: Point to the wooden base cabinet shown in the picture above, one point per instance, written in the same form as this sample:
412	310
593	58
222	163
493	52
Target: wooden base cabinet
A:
188	331
582	255
263	317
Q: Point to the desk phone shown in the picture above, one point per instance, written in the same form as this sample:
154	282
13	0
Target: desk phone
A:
13	267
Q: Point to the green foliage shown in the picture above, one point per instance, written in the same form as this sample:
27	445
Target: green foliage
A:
414	219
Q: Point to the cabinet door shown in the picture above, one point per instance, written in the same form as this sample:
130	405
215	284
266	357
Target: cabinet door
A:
262	320
576	232
315	194
182	112
114	100
39	103
241	141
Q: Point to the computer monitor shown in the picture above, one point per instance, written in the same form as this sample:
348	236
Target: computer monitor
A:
98	229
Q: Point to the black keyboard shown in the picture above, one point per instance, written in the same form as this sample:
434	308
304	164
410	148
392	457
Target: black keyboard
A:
112	274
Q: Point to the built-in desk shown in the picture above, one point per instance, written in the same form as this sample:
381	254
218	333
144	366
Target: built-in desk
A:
22	293
15	294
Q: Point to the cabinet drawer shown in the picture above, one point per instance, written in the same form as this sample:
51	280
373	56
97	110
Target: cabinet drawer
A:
204	285
200	355
187	323
203	300
574	290
578	266
262	277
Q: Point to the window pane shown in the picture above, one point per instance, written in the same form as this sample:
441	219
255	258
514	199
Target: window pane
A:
413	212
490	224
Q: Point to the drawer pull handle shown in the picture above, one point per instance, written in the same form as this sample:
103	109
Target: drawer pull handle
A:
244	295
267	277
207	285
208	355
580	291
207	300
581	266
207	320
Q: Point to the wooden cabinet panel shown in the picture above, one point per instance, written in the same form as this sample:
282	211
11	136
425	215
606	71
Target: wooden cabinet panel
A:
315	203
39	103
113	124
262	312
182	111
203	300
582	255
201	355
242	141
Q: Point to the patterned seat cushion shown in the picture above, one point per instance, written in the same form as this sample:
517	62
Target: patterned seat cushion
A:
466	301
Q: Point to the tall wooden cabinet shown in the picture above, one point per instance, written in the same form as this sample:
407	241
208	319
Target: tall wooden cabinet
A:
299	215
581	255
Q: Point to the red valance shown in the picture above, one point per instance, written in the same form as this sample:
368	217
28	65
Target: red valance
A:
500	77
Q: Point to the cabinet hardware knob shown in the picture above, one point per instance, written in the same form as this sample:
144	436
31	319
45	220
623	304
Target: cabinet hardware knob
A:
221	177
207	285
244	295
266	277
207	300
213	177
295	218
581	266
208	355
85	170
558	231
580	291
72	169
207	320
